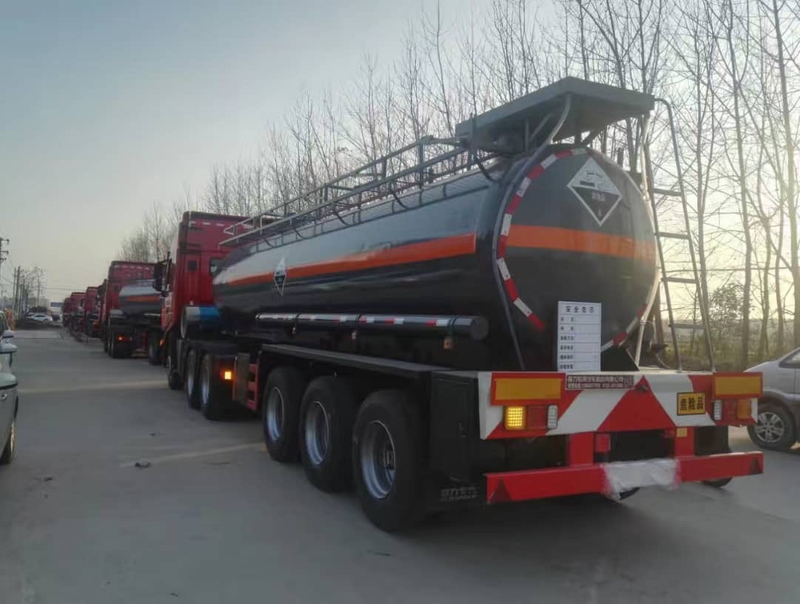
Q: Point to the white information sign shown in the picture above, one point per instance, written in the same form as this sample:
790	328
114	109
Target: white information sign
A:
578	345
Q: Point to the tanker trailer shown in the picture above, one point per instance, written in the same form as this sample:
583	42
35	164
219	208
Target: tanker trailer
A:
76	318
122	333
459	322
136	319
91	314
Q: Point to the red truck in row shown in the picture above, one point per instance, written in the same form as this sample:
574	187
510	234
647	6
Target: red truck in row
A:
129	317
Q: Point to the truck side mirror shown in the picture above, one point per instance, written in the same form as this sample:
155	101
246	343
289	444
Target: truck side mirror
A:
158	276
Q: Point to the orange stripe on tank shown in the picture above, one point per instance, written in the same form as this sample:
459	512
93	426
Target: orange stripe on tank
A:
446	247
572	240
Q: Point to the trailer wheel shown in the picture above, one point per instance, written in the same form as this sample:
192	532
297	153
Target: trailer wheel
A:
153	349
326	429
174	378
113	347
387	460
280	412
190	383
212	404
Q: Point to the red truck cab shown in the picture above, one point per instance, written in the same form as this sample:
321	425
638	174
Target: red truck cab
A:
91	322
120	273
185	277
76	304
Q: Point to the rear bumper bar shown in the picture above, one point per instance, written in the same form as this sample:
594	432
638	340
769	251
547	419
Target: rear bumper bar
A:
616	477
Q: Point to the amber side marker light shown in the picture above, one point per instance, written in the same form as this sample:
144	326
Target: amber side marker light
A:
514	417
227	375
744	408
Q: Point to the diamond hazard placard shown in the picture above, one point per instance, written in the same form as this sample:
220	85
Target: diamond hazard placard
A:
279	276
596	191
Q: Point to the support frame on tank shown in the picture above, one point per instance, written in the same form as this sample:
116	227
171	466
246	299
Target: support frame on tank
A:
592	108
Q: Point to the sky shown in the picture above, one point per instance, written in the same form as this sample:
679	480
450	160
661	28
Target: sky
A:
108	106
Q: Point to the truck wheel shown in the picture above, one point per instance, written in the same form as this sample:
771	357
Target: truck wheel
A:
774	428
190	383
280	412
212	403
387	460
113	348
10	448
153	349
326	428
174	380
719	483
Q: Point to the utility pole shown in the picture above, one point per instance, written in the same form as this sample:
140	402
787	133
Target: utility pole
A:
16	292
3	256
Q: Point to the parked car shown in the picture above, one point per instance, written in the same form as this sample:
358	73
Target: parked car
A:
41	318
778	425
9	401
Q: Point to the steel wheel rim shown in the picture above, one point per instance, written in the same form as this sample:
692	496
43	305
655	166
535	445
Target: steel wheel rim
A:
317	432
205	386
275	414
770	427
377	460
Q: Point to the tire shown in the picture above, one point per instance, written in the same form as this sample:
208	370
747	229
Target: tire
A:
775	428
153	349
387	460
326	428
113	349
212	394
280	412
10	448
719	483
190	385
174	378
105	343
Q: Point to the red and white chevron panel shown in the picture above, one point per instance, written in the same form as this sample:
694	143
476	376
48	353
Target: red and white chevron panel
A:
648	402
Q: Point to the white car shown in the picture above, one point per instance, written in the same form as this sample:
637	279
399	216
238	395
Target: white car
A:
9	401
42	318
778	424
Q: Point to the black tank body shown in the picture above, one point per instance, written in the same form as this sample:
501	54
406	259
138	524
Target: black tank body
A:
569	225
139	298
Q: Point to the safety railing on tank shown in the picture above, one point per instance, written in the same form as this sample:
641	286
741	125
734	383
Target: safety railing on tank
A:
385	178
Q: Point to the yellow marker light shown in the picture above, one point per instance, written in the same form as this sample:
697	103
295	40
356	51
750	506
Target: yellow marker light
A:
744	409
227	375
514	418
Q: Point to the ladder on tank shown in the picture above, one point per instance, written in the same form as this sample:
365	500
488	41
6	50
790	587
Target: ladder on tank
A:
661	198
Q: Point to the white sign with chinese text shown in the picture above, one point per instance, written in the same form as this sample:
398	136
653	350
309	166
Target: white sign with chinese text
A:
578	344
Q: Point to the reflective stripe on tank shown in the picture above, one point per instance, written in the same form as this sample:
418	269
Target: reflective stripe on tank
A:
598	243
502	242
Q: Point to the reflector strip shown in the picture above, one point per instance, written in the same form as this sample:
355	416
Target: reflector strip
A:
737	386
526	389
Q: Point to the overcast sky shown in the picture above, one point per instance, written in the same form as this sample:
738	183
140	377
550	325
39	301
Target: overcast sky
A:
107	106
